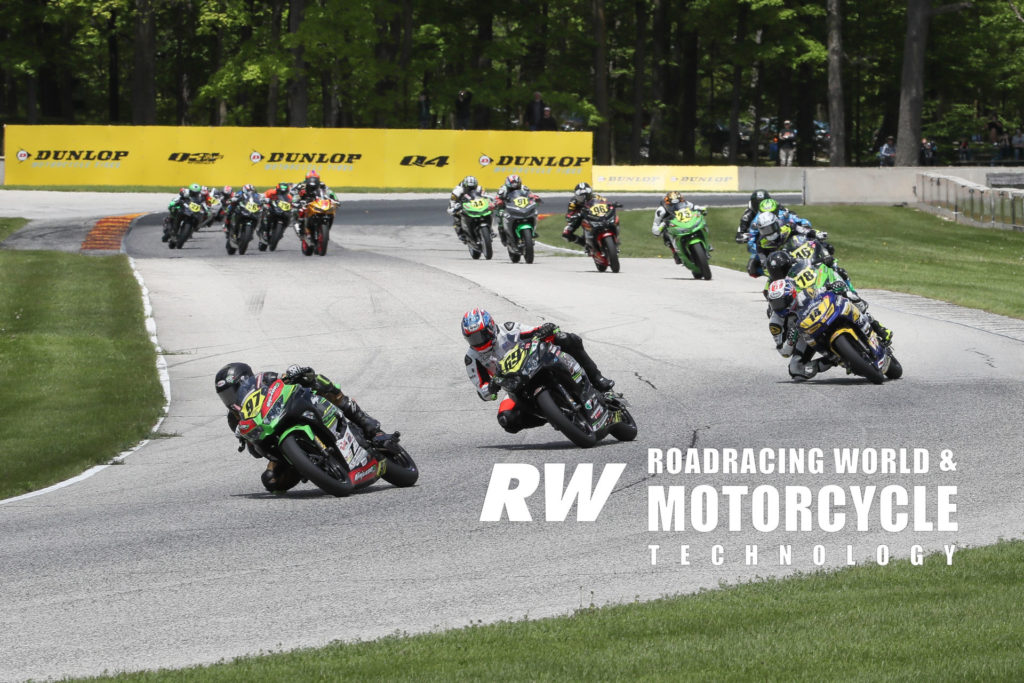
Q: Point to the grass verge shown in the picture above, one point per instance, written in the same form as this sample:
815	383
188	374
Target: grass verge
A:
76	366
899	622
882	247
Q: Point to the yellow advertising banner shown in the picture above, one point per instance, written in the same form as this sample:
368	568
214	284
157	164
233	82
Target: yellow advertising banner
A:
665	178
52	156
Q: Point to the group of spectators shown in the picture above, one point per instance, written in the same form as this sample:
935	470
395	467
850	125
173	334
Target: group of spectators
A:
538	114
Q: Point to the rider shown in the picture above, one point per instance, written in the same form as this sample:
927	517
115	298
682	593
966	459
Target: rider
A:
193	194
784	298
312	188
582	196
468	188
235	381
672	203
488	344
778	265
513	183
226	195
768	233
753	208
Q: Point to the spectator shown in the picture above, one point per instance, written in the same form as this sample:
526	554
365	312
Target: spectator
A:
928	152
535	111
1004	147
995	129
787	143
547	121
463	109
963	150
426	119
1018	145
887	155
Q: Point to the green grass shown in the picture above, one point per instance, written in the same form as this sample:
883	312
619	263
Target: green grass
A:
77	370
894	248
900	622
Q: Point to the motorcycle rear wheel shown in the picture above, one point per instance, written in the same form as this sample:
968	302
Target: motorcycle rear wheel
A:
849	352
399	467
296	452
611	252
580	435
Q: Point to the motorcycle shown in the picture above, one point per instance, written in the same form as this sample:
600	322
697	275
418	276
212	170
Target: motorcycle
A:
519	225
276	220
549	384
477	215
829	323
184	222
245	220
214	208
601	227
290	423
316	226
687	236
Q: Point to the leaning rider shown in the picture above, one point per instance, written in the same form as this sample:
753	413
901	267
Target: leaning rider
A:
671	204
489	343
235	381
583	196
193	194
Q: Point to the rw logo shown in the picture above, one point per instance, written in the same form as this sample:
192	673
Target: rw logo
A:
558	497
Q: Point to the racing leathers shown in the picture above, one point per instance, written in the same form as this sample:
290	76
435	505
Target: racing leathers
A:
462	194
482	365
186	195
280	475
574	217
768	233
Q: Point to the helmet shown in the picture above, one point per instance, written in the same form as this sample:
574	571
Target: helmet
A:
782	294
312	174
768	204
479	329
194	187
758	196
514	182
470	183
248	187
227	381
583	192
779	263
767	224
672	201
313	182
228	190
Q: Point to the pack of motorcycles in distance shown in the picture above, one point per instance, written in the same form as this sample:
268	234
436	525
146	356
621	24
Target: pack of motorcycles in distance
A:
248	214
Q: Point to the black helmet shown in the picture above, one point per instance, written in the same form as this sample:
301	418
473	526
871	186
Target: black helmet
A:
779	263
758	196
227	381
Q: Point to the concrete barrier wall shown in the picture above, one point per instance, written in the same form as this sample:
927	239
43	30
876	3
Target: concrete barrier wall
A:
853	185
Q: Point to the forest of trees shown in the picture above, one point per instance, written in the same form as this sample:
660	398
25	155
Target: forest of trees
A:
657	81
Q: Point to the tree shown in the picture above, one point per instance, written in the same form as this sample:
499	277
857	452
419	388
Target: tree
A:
836	102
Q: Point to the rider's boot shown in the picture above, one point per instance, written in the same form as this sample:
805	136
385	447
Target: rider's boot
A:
883	332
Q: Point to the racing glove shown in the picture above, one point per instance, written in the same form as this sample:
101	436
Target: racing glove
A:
301	375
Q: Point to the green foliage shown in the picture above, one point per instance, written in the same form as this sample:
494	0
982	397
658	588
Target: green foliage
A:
365	63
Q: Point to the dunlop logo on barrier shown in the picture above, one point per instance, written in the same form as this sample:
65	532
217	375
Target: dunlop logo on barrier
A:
312	158
195	157
76	155
535	161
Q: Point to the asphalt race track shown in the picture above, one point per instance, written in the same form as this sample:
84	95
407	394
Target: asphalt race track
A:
179	556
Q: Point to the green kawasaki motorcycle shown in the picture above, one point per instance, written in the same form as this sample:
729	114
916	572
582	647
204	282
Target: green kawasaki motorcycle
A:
290	423
687	236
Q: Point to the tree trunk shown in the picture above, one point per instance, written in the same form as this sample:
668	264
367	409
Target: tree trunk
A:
639	57
659	77
144	72
113	71
274	87
737	86
688	106
602	138
836	104
912	82
298	90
